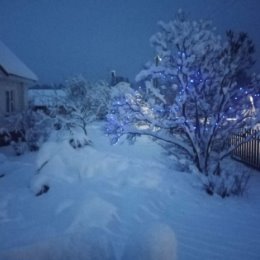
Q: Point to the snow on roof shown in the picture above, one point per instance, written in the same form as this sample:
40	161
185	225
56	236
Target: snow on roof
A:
13	65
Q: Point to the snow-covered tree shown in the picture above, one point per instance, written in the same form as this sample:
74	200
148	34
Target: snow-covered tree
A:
82	103
191	98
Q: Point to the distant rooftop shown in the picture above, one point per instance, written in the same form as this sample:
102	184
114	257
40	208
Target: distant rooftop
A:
46	86
46	97
13	66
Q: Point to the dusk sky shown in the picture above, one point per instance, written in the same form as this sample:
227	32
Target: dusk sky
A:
61	38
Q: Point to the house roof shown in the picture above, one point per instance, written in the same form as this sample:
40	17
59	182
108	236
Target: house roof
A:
13	66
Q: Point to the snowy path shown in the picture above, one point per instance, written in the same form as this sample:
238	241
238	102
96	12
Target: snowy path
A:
109	196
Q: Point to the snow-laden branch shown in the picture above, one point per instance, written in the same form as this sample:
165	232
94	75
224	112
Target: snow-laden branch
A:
192	92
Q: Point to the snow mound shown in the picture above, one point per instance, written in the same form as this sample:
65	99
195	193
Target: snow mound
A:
60	162
154	242
89	245
120	202
94	213
3	158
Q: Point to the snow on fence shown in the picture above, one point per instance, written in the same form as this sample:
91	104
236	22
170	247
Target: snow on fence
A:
249	151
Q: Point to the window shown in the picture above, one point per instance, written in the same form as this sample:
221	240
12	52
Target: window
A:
9	100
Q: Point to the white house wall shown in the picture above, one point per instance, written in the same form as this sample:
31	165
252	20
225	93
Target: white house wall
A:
19	95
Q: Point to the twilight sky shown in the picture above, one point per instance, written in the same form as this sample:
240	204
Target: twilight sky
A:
61	38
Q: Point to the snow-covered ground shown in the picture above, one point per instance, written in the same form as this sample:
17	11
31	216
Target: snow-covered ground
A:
119	202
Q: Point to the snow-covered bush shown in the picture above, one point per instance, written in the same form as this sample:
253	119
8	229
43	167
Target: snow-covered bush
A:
117	119
81	104
76	139
190	98
31	127
59	162
5	136
79	143
227	184
19	147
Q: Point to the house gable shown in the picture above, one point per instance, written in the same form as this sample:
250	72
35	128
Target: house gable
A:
15	77
13	66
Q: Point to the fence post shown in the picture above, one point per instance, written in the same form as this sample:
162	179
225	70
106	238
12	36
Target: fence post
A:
248	152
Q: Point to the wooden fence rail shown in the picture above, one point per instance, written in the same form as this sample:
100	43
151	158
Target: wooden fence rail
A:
249	151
